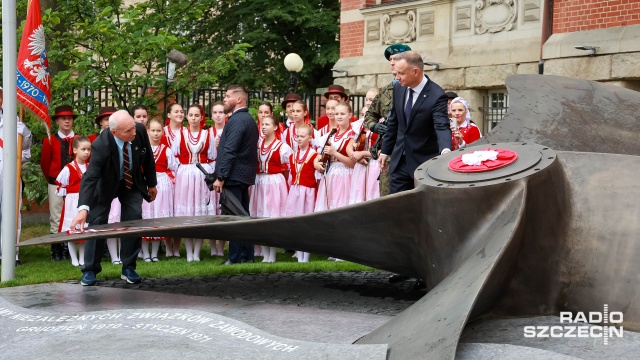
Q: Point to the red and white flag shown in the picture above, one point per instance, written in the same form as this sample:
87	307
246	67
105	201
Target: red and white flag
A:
34	83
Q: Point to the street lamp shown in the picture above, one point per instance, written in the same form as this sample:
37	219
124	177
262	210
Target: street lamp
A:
294	64
175	58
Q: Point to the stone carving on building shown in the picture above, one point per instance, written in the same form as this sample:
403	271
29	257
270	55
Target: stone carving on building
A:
399	27
531	10
373	30
495	15
463	18
426	23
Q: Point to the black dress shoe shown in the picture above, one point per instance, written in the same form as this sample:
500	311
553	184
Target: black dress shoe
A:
419	285
18	263
396	278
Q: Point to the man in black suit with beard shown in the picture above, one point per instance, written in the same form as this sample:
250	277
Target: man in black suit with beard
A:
121	166
237	161
418	125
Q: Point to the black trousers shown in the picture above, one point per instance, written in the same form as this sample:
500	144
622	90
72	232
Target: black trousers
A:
131	209
240	251
401	179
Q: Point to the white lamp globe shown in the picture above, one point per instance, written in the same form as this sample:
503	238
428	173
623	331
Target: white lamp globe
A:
293	62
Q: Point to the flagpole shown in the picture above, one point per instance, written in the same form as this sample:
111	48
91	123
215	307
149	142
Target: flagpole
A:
10	114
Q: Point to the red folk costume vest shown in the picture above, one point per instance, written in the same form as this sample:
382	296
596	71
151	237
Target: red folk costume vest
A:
194	149
470	133
56	153
340	142
269	159
169	136
302	171
160	157
75	177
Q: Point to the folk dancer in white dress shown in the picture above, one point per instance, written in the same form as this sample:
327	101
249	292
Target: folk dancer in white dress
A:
162	206
192	197
68	182
268	196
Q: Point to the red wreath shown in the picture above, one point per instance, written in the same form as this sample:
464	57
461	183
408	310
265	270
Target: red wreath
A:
505	157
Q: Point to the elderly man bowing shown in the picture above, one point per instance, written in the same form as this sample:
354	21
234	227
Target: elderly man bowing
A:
121	166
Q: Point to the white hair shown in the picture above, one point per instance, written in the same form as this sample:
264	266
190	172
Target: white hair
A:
115	118
113	122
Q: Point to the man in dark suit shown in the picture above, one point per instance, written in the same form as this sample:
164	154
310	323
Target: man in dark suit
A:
237	161
121	166
418	126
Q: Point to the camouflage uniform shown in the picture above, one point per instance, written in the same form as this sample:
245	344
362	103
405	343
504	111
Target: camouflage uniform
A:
380	108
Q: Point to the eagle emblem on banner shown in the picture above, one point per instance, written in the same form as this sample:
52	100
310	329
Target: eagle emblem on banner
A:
33	78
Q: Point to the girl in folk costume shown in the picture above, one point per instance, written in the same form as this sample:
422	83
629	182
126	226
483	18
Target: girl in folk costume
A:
162	206
172	134
269	194
302	194
68	182
300	115
364	181
219	120
173	130
330	108
463	131
335	185
192	197
266	109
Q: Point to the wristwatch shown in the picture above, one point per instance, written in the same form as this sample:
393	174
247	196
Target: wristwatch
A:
221	178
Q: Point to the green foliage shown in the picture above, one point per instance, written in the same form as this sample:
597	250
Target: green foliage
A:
106	45
309	28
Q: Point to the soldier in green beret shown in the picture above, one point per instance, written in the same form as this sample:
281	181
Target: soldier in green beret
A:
375	118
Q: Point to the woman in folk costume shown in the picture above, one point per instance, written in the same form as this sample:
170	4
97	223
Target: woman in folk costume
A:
268	196
219	120
300	115
364	181
266	109
173	130
162	206
302	194
192	197
463	131
172	133
68	182
335	185
330	112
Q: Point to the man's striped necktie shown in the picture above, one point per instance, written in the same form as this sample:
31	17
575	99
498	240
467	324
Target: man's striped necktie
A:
128	178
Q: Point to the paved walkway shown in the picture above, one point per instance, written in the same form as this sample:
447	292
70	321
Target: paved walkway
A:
353	291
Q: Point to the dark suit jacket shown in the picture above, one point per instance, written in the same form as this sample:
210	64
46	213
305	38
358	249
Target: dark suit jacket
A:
427	132
100	183
237	159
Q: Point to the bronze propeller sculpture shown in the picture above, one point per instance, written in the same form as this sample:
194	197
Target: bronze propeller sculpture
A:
554	231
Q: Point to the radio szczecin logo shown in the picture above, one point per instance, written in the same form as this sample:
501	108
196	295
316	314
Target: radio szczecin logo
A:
594	324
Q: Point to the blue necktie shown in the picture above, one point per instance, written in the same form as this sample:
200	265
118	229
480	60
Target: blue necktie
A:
407	108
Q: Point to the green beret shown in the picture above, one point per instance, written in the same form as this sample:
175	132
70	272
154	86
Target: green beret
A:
395	49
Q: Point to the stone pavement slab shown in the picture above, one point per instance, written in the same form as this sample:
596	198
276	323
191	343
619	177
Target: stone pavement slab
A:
159	333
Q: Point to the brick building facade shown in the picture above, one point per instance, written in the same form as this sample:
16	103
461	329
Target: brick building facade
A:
478	43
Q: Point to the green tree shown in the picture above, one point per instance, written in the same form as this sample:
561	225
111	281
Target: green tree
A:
309	28
105	50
